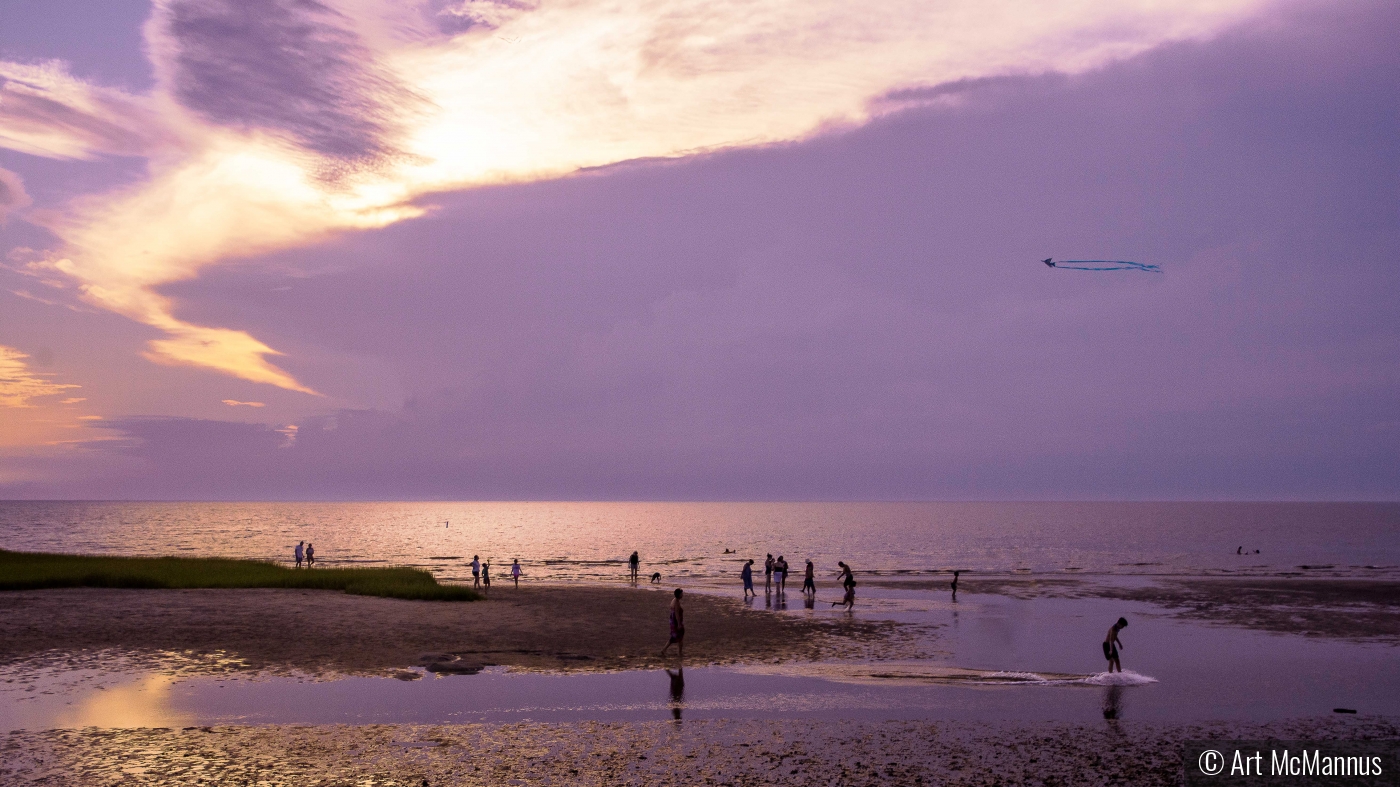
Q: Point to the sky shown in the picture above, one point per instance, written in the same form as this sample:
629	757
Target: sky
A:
699	249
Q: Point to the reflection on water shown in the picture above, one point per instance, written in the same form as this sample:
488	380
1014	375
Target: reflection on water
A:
677	691
1113	702
143	703
682	541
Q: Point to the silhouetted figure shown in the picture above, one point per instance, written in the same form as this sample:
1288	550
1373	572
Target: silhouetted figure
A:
476	572
768	574
515	570
310	555
486	578
955	584
848	581
677	627
299	553
746	574
809	580
656	578
634	563
1111	644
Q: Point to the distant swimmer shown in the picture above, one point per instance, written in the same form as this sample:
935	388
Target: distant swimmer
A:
1111	644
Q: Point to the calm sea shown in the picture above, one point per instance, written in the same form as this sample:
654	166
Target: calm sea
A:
589	541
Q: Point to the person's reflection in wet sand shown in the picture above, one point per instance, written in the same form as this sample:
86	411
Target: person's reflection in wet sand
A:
1113	702
809	601
677	691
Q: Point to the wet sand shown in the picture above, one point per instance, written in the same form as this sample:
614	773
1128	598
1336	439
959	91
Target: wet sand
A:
1357	610
649	753
539	627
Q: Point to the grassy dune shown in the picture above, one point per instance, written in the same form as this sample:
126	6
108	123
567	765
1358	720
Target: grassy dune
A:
37	570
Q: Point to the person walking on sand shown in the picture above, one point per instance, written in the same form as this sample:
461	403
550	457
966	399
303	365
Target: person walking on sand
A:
809	579
515	570
310	555
1111	644
768	574
677	627
746	574
476	572
299	553
486	578
635	563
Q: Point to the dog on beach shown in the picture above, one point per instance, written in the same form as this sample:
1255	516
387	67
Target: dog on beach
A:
656	578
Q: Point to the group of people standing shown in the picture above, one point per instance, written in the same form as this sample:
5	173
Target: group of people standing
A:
481	573
304	552
775	574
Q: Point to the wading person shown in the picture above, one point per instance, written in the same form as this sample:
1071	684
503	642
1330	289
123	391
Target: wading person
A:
476	573
677	627
486	578
515	570
310	555
299	553
1111	644
635	563
848	581
746	574
809	580
768	574
780	572
955	584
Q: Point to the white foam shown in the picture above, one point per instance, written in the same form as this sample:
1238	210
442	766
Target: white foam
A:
1124	678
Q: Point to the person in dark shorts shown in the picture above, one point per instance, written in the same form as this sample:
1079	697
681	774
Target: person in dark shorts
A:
634	563
677	627
1111	644
809	580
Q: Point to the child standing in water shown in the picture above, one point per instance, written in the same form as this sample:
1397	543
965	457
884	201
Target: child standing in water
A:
1111	644
677	627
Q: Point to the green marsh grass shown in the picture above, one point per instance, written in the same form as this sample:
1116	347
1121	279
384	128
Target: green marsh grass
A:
38	570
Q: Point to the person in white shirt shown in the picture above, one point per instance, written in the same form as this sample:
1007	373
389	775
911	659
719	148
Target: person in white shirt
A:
476	572
299	554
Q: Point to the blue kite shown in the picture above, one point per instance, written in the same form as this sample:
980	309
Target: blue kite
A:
1101	265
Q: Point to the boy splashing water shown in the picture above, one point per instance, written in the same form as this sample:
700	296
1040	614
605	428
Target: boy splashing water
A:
1111	644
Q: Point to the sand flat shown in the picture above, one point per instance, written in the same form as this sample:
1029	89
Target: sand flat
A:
540	626
795	752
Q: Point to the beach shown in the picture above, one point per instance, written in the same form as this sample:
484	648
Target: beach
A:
559	680
858	754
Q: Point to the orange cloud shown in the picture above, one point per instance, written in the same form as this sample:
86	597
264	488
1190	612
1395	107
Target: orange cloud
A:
19	385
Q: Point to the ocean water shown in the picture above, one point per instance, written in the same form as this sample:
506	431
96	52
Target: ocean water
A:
589	541
993	657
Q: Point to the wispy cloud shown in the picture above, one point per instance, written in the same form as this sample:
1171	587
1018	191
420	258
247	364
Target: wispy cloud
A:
236	403
19	385
276	123
12	194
